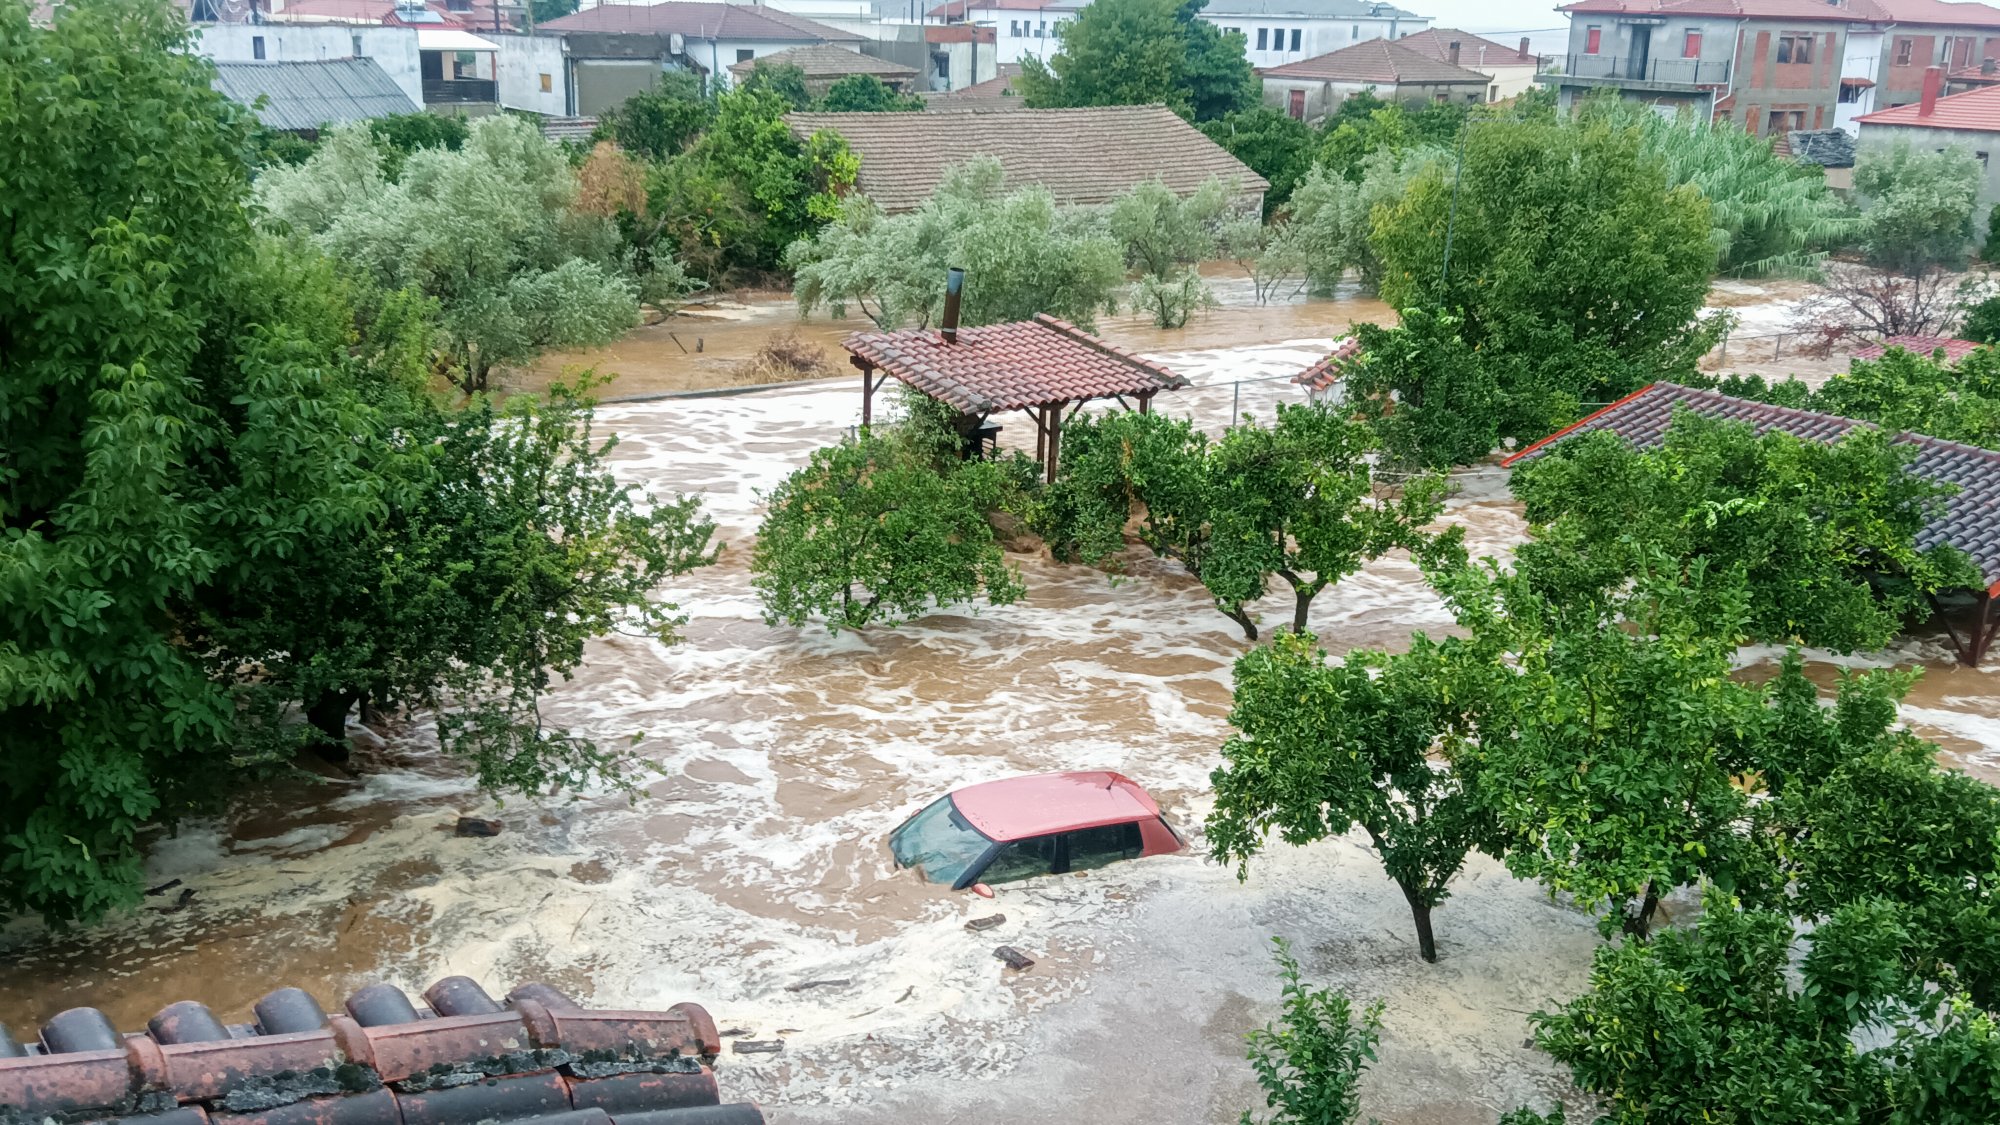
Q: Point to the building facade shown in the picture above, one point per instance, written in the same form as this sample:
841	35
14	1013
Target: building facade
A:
1276	32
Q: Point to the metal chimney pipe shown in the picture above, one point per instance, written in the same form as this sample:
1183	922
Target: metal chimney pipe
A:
954	288
1988	66
1524	44
1454	52
1933	80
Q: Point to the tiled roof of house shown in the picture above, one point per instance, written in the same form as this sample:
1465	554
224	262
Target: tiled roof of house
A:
1327	371
700	20
824	60
308	95
1976	111
461	1059
1954	349
1852	11
1941	13
1311	9
1472	50
996	367
1082	156
1380	61
1969	521
1828	148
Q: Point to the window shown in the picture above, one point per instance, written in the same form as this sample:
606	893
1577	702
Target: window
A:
1095	847
1041	28
1593	38
548	83
1296	32
1492	93
1786	120
1263	39
1355	33
941	64
1905	48
256	46
1850	95
1794	48
1691	44
1022	859
1014	28
358	52
745	54
1296	104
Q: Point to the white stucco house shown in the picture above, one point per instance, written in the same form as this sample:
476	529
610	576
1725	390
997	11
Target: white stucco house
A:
1276	32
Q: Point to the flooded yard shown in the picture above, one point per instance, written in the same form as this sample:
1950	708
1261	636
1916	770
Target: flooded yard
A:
754	861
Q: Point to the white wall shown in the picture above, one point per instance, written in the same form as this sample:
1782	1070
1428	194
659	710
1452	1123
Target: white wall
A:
394	49
523	61
1016	33
1862	59
1316	36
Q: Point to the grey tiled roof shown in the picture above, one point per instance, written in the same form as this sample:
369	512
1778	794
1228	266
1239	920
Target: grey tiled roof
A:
1083	156
308	95
823	60
1969	521
1828	148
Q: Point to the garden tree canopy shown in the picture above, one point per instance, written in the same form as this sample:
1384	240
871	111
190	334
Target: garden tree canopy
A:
521	272
1917	207
1571	260
1331	218
1769	214
1900	391
1822	534
783	79
1022	255
1364	125
1275	145
865	93
221	500
1165	237
1432	400
660	123
1292	501
1144	52
1323	748
884	527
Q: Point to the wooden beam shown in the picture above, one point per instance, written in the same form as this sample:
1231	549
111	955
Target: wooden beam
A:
1055	439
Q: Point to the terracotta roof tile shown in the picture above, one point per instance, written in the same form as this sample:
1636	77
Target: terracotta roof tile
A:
1327	371
1953	348
824	60
458	1058
1473	51
1377	60
996	367
1083	156
1969	521
684	17
1974	111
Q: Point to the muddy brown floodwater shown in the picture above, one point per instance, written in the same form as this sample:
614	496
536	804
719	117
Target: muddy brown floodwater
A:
755	858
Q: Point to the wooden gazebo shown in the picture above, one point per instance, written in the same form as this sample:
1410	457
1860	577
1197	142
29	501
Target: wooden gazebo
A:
1969	520
1040	367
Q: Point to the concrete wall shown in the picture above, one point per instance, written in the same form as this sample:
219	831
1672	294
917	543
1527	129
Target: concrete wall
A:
394	49
1803	94
531	73
1504	81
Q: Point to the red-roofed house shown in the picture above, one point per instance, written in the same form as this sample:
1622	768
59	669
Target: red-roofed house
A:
1312	88
1930	33
1508	70
1970	121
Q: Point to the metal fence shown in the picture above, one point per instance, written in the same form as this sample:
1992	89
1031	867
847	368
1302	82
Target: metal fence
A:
1672	72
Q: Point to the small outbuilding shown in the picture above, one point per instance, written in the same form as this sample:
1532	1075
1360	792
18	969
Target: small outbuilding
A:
1969	521
1321	377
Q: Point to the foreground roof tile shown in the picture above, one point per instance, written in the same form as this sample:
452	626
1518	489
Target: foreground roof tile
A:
999	367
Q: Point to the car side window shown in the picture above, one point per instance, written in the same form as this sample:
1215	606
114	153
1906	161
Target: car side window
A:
1095	847
1022	859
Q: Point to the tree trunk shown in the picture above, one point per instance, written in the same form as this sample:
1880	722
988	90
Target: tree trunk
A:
1302	601
328	715
1420	912
1237	615
1640	925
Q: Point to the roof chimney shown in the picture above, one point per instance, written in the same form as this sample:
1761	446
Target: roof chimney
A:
1453	52
1524	44
1988	66
954	288
1933	79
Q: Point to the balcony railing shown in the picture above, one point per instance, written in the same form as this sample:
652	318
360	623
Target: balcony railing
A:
1667	72
457	91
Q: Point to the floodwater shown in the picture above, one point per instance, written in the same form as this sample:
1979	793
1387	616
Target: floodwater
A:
754	858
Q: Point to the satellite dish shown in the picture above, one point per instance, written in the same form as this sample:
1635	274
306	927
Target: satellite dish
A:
677	44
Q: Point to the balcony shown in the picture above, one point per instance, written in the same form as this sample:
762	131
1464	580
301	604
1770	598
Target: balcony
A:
458	91
1663	74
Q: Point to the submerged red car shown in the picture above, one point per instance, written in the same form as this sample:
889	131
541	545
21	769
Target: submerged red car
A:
1041	824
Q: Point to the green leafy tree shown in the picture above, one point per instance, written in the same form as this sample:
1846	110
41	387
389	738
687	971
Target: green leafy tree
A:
523	272
1982	321
1294	501
1901	391
1275	145
1824	533
1432	400
1144	52
542	11
1365	125
1166	236
1917	207
881	529
660	123
787	188
400	134
782	79
1989	251
1571	260
1310	1062
1323	749
865	93
1331	218
1174	299
1022	255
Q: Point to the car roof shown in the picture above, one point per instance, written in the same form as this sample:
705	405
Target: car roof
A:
1016	808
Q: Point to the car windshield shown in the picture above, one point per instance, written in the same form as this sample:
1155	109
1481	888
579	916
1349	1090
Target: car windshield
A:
938	843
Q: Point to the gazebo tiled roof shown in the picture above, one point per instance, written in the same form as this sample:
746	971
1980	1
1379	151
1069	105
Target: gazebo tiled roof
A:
1015	366
1969	521
1327	371
1954	349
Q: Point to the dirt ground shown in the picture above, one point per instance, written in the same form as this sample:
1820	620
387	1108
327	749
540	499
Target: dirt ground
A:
755	857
